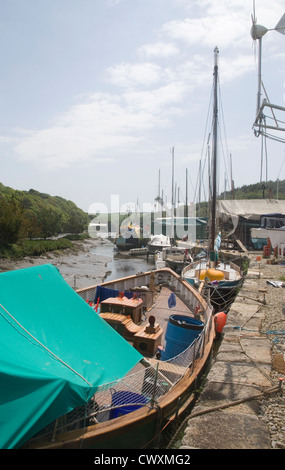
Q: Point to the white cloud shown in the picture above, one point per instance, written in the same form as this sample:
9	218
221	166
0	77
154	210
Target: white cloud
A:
226	30
159	50
132	75
102	127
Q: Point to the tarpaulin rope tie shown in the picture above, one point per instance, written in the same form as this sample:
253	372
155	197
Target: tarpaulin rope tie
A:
42	345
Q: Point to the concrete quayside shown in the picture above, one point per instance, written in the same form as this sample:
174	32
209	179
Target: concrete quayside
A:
242	405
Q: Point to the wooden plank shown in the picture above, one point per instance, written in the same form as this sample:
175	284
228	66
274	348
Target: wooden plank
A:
241	246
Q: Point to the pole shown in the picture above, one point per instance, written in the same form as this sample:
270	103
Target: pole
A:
259	78
215	139
172	199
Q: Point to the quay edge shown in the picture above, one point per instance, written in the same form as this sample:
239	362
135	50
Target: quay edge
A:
231	412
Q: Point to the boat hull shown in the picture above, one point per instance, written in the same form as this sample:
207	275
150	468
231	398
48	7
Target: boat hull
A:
130	243
142	428
221	293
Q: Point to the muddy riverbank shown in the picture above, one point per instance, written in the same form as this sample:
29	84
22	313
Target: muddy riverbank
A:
88	263
80	266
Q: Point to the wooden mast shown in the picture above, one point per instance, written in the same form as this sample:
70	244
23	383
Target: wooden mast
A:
214	162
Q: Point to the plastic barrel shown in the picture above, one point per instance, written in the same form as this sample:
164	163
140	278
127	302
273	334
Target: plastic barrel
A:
126	402
180	333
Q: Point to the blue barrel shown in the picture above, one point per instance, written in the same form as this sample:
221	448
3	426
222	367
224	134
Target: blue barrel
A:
126	402
180	333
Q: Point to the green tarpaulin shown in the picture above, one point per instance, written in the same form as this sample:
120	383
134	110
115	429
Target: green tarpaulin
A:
55	351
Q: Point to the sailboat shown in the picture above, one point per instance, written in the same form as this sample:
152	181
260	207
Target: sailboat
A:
220	280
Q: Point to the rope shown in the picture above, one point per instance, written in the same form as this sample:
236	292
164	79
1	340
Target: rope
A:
42	345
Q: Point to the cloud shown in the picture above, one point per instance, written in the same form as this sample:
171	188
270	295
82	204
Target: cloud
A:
158	50
101	127
225	23
131	75
209	31
149	93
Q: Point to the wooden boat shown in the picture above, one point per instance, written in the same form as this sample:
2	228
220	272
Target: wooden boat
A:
130	237
131	413
174	258
222	284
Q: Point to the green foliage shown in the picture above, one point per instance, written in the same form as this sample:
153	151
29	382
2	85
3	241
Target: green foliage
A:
34	248
10	220
31	214
269	190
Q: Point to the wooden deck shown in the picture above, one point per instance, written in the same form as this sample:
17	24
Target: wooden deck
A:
161	311
144	338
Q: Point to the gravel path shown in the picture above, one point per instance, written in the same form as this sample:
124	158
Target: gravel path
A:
272	411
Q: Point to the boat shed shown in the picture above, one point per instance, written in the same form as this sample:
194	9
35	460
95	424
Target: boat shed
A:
238	216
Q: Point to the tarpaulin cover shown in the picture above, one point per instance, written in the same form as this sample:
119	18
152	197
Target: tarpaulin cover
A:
250	209
55	351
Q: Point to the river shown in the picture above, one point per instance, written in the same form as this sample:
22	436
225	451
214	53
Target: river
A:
121	265
90	263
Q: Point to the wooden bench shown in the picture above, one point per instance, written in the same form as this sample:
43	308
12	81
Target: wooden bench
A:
121	323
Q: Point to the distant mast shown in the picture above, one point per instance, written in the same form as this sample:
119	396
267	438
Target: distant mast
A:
214	160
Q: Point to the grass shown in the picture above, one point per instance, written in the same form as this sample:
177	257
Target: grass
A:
34	248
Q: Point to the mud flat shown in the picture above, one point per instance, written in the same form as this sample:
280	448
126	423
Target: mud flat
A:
242	405
80	267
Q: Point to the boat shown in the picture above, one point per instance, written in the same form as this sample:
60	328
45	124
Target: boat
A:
158	242
271	226
105	367
175	258
130	237
219	284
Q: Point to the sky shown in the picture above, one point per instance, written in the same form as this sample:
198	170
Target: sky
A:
95	94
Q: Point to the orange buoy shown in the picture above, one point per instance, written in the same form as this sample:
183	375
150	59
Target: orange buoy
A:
220	320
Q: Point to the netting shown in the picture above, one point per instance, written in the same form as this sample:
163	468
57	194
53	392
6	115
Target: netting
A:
141	388
146	383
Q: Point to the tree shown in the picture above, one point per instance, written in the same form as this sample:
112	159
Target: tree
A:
30	226
74	225
11	218
50	222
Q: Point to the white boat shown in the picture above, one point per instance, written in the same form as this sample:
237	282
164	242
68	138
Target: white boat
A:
158	242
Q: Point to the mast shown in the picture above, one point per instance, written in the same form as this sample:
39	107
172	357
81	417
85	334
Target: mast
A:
172	199
186	201
215	140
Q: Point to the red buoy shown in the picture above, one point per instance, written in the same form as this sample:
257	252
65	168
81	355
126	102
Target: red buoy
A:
220	320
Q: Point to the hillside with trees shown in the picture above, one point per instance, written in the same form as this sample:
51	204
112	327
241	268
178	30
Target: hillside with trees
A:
31	214
268	190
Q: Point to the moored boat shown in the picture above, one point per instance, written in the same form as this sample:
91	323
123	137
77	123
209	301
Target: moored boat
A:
89	372
158	243
219	283
222	284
